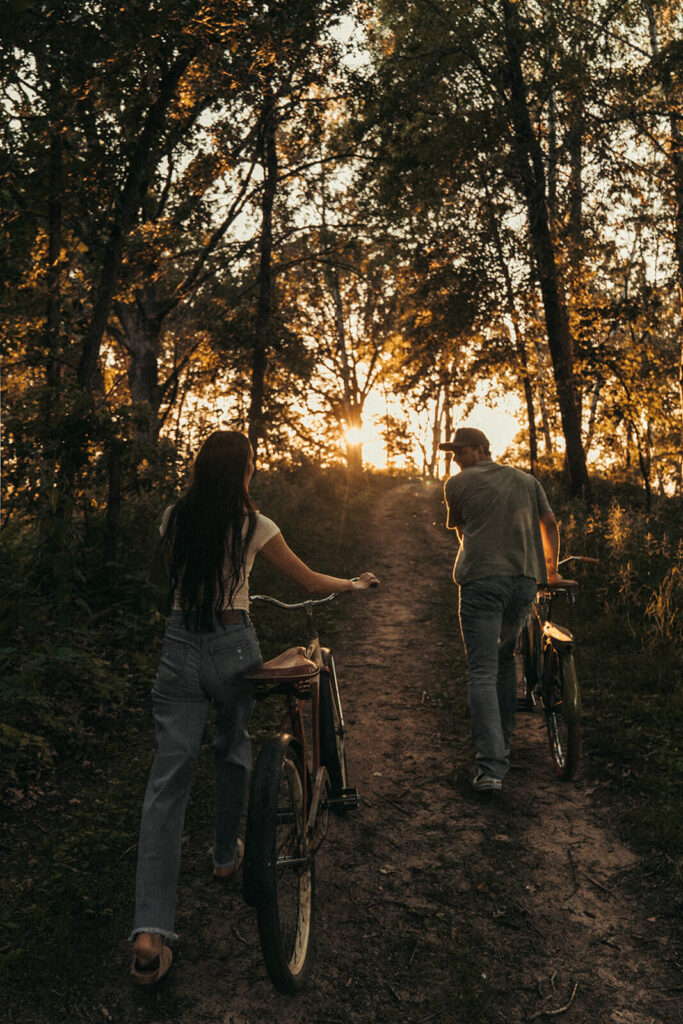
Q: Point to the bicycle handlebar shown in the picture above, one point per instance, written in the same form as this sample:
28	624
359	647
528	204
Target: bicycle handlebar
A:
298	604
301	604
579	558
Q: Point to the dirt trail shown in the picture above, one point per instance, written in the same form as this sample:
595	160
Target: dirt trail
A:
434	904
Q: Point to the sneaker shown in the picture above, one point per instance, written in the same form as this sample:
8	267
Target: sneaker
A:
486	783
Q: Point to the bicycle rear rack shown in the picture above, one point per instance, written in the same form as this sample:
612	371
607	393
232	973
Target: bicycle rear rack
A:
347	798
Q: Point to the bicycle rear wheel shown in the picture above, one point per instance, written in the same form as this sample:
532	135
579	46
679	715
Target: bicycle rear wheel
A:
332	739
279	876
561	705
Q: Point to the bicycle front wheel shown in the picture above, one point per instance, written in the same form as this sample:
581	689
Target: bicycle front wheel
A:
561	705
279	874
528	658
332	739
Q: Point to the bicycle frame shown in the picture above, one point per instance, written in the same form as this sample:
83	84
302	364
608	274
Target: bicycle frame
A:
299	776
542	631
549	673
316	784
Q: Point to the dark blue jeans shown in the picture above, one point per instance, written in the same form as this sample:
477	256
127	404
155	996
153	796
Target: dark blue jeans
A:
196	669
492	613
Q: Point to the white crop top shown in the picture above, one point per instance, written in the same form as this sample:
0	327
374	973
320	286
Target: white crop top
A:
264	531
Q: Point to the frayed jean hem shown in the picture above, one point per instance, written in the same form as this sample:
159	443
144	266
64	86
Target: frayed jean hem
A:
228	864
171	936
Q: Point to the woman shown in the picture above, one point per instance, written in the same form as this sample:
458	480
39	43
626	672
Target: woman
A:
210	539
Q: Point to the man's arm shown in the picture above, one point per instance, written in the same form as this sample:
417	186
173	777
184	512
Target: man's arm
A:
453	521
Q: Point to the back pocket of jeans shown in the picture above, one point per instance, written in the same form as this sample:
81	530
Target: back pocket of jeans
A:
172	680
233	656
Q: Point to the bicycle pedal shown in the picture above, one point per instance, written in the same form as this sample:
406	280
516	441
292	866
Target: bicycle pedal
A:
348	798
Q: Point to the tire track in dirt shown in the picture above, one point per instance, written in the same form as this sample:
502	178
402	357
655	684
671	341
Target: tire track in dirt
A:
432	904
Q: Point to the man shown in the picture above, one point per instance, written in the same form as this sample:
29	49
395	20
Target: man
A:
509	542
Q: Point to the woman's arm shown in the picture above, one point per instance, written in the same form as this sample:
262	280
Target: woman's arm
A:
550	535
279	554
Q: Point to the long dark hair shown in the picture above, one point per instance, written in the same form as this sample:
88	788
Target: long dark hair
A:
205	529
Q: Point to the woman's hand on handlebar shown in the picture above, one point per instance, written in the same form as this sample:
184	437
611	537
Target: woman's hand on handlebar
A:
365	581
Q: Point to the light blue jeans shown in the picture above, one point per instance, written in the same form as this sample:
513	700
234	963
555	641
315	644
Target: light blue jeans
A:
492	613
195	670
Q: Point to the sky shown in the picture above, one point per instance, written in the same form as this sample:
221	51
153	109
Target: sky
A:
500	423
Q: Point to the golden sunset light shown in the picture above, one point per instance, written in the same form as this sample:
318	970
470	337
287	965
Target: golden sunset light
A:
354	435
377	306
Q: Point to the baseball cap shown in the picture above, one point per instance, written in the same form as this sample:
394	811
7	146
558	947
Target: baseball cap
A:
466	437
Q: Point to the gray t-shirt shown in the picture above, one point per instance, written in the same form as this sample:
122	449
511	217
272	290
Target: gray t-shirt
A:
497	510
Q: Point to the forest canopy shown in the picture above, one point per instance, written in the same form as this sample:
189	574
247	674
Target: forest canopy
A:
278	216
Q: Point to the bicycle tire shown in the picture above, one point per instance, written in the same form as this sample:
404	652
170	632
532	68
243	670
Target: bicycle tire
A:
332	738
561	706
279	873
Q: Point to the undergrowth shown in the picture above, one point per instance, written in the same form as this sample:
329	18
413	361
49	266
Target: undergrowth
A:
79	651
629	626
77	738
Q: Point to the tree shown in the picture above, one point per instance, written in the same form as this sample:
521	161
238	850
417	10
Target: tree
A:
473	79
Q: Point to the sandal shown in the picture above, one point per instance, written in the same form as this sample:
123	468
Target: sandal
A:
151	971
225	874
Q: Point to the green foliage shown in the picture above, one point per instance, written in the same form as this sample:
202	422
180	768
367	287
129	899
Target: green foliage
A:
76	734
629	627
640	581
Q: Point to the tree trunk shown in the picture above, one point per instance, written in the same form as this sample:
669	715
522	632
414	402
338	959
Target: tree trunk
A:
113	517
676	160
430	464
126	210
516	337
54	249
532	175
540	383
595	397
141	337
269	161
352	402
575	142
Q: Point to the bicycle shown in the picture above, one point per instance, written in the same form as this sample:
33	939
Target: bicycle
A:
299	776
548	673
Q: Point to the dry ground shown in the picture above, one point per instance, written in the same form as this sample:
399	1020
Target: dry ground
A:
433	904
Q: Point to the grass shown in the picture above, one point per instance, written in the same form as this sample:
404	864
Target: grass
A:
69	830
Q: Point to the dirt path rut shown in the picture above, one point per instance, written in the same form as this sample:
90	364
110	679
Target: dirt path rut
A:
434	904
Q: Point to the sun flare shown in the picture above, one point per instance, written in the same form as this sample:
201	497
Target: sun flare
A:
354	435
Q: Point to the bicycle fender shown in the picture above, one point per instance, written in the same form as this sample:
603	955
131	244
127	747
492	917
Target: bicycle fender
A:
571	692
262	793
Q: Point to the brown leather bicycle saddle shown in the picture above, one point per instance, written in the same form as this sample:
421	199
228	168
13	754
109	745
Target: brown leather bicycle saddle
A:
558	587
290	665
